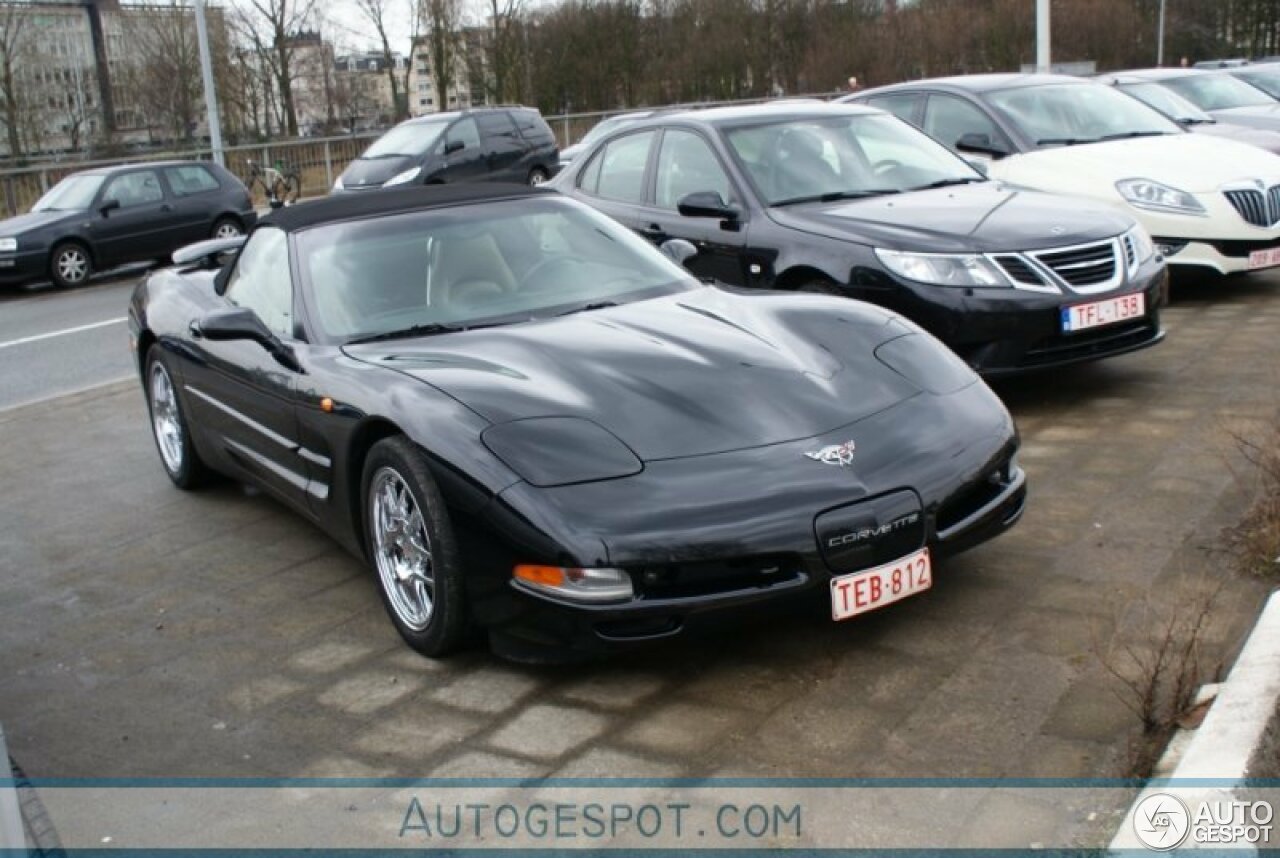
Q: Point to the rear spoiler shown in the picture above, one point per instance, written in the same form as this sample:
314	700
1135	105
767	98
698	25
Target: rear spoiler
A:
206	254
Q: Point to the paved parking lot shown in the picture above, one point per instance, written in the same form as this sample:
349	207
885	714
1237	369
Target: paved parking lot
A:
144	631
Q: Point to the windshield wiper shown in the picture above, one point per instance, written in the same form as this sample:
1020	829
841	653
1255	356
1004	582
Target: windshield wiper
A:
1066	141
405	333
1128	135
1192	120
946	183
837	195
598	305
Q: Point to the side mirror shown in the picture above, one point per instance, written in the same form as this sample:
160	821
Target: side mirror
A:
678	250
108	206
240	323
981	144
207	254
452	146
706	204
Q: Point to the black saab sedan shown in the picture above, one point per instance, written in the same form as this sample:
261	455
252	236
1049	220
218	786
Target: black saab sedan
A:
529	420
848	200
99	219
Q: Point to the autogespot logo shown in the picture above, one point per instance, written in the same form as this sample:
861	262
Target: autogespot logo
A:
1161	821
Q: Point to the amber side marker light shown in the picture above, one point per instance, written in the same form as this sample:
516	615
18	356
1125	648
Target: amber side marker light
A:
580	585
326	405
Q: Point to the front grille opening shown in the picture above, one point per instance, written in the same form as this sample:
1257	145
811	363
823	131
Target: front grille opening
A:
707	577
1083	266
1255	207
973	498
1019	271
1092	343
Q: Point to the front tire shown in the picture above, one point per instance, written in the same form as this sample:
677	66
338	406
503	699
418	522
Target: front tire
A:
169	426
412	548
226	227
538	176
70	265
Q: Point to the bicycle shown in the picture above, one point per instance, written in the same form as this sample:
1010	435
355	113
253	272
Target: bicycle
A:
281	185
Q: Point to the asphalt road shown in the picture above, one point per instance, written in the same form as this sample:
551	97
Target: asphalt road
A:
54	342
146	631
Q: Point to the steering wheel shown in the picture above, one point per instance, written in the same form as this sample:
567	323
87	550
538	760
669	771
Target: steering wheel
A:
543	271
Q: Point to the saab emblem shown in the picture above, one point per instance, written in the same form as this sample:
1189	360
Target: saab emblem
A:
836	454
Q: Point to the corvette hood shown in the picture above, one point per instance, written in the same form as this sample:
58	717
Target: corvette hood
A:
688	374
1192	162
984	217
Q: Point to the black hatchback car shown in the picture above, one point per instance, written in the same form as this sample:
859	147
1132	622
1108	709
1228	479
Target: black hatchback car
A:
497	144
99	219
852	201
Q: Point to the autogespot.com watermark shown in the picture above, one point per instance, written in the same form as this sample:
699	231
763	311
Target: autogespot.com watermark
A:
431	821
1163	822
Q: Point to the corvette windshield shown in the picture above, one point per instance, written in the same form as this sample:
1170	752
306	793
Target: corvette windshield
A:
1069	114
842	156
74	193
475	266
1218	91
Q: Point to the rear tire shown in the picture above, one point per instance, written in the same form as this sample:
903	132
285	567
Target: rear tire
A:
169	427
70	265
821	287
538	176
412	548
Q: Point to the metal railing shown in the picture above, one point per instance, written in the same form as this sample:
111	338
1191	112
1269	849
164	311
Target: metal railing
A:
318	160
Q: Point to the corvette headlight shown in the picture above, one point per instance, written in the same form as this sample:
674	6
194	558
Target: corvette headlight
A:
8	245
560	451
943	269
1154	196
400	178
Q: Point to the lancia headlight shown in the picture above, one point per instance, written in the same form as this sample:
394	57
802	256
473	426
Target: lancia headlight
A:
400	178
1154	196
8	245
943	269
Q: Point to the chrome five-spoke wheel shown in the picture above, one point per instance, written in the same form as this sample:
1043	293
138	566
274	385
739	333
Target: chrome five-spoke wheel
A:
402	549
166	421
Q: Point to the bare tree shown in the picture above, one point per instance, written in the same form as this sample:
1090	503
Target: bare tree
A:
279	23
165	74
376	12
441	20
505	40
13	25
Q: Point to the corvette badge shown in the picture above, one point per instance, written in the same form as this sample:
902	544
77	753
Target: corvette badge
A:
836	454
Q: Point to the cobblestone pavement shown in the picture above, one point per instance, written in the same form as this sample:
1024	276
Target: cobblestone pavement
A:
146	631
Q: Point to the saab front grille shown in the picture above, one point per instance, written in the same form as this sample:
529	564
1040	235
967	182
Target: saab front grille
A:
1257	208
1018	270
1088	265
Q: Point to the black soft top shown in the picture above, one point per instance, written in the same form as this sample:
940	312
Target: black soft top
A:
362	204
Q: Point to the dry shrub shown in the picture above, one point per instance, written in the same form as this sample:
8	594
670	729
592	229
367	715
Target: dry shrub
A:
1256	539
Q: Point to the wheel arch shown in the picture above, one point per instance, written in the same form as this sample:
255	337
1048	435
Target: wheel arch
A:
77	239
796	276
369	432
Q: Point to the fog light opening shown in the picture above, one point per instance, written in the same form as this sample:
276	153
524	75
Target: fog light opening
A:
577	584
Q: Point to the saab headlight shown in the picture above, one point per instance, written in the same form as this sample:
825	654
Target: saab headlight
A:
560	451
8	245
943	269
1154	196
400	178
579	585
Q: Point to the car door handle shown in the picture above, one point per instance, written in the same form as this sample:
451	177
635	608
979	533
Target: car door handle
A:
653	231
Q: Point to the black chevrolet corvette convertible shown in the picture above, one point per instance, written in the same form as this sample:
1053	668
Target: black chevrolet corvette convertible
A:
531	421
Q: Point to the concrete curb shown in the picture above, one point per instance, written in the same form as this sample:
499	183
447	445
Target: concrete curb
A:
11	837
1231	741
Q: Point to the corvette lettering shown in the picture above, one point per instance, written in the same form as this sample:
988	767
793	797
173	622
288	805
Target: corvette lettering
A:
853	537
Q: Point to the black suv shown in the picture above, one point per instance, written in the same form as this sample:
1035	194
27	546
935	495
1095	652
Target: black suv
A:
493	144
